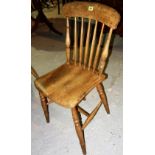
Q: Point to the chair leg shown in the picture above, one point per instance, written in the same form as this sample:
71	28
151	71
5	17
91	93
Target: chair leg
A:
103	97
78	127
44	106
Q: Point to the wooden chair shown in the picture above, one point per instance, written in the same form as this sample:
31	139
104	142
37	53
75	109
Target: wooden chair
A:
70	83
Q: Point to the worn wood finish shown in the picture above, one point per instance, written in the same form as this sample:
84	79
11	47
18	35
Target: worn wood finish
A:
92	12
96	11
92	115
78	128
103	97
44	106
70	83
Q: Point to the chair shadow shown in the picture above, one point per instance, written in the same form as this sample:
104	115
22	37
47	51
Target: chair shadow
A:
44	39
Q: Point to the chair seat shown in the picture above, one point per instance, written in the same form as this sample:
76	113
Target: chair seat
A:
68	84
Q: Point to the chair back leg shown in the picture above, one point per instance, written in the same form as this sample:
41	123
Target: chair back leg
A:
103	97
78	127
44	106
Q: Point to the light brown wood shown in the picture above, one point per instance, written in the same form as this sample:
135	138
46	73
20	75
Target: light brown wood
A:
75	41
92	46
83	111
87	45
71	82
92	115
78	128
81	43
98	48
44	106
43	99
67	41
103	97
105	52
34	73
92	10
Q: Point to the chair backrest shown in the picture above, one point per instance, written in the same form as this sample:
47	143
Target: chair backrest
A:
90	58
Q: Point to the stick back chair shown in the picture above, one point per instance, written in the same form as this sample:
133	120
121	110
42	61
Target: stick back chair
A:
70	83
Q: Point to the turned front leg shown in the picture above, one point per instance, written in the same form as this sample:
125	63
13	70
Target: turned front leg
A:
103	97
44	106
78	127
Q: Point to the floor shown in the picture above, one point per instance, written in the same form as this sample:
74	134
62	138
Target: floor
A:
104	134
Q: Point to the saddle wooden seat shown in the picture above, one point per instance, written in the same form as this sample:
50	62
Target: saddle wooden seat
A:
72	83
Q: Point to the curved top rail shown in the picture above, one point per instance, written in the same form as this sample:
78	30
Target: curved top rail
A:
93	10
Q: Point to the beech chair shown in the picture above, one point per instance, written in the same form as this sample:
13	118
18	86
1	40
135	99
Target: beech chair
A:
83	71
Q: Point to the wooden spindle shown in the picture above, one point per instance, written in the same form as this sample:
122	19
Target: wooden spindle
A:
75	40
34	73
87	44
44	106
98	48
78	128
83	111
105	52
103	97
81	42
91	116
92	46
67	41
